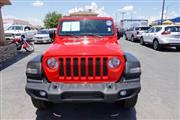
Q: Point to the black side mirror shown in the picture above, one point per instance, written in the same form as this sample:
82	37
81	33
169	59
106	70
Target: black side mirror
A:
119	35
52	35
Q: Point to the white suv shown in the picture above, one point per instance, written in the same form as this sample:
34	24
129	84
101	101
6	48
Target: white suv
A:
135	33
162	36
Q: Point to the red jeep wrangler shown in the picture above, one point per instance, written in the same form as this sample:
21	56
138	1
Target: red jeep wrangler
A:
85	63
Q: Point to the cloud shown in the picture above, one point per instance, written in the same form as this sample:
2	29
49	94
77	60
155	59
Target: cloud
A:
128	8
92	7
38	3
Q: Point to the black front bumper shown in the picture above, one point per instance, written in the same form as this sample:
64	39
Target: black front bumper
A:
102	92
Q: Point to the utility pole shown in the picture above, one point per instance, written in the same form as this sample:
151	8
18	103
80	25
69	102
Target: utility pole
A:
162	12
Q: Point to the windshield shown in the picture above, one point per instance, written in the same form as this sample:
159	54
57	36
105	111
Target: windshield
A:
15	28
42	32
86	27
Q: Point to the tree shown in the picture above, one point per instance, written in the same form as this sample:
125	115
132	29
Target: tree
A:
51	19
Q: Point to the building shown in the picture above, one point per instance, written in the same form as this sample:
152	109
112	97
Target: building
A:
11	21
2	3
175	21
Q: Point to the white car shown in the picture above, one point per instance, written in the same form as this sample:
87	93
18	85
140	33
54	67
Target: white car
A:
135	33
16	31
162	36
42	37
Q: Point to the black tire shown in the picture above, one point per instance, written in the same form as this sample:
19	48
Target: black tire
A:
142	41
126	37
129	103
132	38
178	48
41	105
156	45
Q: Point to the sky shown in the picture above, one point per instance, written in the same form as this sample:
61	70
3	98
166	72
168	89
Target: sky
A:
34	11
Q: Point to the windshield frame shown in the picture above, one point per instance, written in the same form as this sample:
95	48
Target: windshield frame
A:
59	31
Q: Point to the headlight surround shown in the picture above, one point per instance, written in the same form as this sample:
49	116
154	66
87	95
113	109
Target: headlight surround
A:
52	63
114	62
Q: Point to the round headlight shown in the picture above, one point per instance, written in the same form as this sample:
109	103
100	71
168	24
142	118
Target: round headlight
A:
114	62
52	63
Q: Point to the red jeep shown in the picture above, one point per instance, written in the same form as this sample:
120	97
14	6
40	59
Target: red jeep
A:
84	64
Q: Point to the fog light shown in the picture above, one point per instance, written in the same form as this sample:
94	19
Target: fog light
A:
123	93
42	93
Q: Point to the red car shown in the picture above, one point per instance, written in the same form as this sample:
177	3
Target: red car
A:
84	64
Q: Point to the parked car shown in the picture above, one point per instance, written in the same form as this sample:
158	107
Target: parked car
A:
43	36
85	64
162	36
17	31
135	33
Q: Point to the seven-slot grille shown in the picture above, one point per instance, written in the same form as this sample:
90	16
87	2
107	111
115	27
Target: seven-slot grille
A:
94	67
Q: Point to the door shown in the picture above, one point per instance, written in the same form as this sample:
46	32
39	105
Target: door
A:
148	36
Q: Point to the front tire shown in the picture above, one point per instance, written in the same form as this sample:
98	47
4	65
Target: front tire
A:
156	45
141	41
129	103
132	39
39	104
178	48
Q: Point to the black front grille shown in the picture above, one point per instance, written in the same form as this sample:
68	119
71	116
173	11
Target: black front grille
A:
82	66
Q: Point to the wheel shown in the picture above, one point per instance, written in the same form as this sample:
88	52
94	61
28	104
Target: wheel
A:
141	41
126	37
178	48
132	38
129	103
29	48
156	45
39	104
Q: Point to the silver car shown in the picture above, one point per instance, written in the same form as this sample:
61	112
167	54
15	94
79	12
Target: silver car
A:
162	36
42	37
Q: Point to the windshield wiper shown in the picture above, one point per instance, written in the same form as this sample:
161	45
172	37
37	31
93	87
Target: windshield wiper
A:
93	34
71	35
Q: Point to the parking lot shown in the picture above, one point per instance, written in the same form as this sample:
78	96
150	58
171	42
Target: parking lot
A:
158	99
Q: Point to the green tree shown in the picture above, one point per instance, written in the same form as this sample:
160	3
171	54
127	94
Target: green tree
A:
51	19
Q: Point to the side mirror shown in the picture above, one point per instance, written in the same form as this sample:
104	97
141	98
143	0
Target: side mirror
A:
119	35
52	35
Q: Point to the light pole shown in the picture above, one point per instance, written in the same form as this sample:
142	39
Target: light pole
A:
162	12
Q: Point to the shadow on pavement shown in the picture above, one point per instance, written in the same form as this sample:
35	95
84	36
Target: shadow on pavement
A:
86	111
20	55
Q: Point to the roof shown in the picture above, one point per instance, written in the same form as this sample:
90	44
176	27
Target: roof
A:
5	2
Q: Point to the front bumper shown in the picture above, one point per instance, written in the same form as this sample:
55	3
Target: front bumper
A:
85	92
42	40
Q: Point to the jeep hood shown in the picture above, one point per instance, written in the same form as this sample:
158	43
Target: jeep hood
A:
75	49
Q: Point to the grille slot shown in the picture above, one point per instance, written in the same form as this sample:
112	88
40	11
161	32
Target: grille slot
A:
68	66
90	66
105	69
75	68
61	68
98	67
83	66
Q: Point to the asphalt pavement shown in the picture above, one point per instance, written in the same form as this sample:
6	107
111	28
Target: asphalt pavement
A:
158	99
